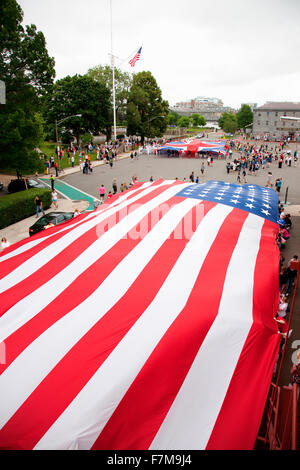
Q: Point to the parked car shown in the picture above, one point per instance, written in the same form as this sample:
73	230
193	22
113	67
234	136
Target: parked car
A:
19	185
49	220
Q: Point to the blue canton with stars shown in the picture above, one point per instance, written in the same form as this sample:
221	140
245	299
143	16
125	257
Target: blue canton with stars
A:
255	199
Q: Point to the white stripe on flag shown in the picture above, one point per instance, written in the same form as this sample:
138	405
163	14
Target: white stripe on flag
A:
34	363
86	416
192	416
29	306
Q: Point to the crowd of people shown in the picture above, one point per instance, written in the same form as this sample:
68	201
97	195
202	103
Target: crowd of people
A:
250	158
287	278
104	195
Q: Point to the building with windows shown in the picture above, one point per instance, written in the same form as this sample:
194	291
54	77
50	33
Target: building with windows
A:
210	108
277	119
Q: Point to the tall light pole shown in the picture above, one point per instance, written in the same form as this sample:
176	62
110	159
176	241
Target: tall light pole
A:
113	73
59	122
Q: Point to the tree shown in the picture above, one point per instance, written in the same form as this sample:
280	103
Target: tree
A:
228	122
198	120
244	116
147	112
184	121
123	80
71	96
173	118
28	73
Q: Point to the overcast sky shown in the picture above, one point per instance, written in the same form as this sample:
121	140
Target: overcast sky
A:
236	50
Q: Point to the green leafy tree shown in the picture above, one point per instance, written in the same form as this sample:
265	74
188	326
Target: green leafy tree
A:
123	80
75	95
147	112
173	118
244	116
198	120
184	121
228	122
28	73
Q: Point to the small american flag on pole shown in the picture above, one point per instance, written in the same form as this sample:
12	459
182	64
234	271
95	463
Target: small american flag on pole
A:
135	58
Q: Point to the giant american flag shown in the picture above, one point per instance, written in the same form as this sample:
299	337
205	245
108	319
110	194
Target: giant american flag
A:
145	324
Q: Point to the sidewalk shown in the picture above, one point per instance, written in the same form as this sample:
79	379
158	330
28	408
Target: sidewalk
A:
19	231
76	169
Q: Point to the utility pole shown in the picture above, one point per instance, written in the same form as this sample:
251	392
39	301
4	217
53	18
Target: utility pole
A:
113	73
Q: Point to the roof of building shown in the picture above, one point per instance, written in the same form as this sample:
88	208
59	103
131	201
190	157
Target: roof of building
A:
280	106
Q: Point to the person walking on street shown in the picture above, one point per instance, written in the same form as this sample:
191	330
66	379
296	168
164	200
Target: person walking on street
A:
102	192
39	206
54	198
269	180
114	186
278	184
244	176
52	182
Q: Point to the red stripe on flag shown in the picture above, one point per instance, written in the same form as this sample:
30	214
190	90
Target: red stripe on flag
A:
32	420
238	422
17	292
74	294
144	407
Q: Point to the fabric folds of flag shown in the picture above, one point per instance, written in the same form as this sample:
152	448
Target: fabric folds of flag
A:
146	324
136	57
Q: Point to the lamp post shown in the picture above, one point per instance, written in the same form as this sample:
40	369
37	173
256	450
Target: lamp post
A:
59	122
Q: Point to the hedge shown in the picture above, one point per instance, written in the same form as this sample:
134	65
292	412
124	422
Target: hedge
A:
17	206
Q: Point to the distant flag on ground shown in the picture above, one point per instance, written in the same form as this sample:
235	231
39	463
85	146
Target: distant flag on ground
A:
135	58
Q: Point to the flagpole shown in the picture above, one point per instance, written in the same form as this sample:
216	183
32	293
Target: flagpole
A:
113	73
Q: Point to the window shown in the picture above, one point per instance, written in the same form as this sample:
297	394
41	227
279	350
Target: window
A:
276	114
258	123
267	123
275	123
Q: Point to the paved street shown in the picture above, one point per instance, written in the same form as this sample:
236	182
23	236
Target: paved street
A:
169	168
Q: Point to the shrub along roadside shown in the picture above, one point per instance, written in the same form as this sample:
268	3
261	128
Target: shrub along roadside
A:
18	206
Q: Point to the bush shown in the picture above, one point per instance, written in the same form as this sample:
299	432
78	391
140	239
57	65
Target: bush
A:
18	206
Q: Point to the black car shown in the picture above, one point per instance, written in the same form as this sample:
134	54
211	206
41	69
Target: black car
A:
19	185
50	219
